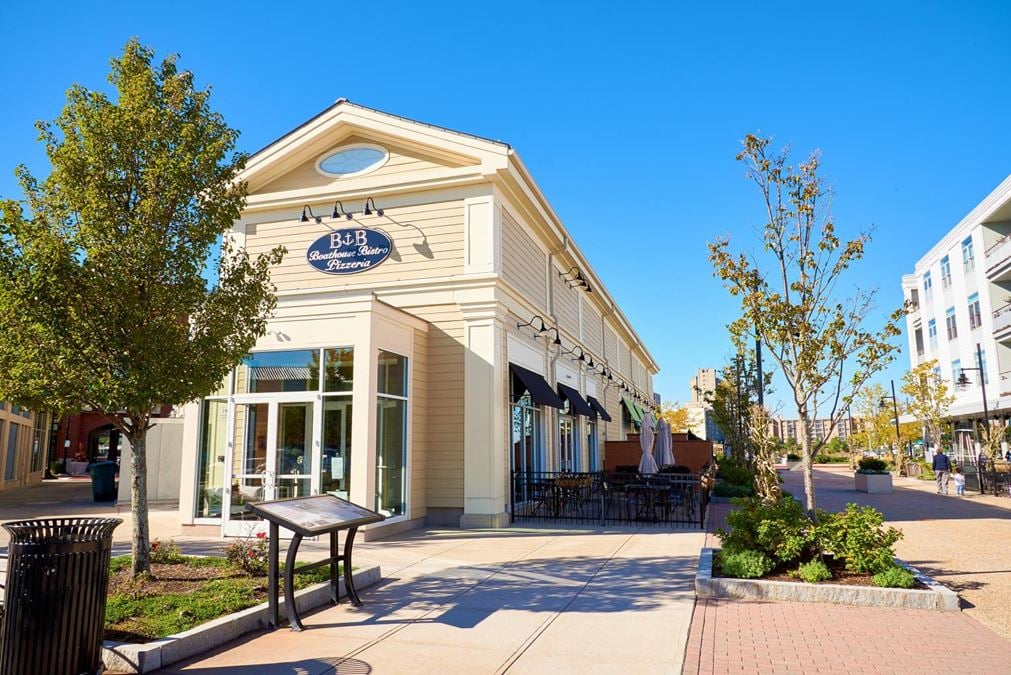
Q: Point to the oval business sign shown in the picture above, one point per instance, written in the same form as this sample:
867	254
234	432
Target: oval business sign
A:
349	251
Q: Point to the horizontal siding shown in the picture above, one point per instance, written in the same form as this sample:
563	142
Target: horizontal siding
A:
400	162
566	306
419	426
443	462
523	263
428	242
611	347
592	337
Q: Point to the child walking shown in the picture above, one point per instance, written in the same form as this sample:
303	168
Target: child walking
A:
959	482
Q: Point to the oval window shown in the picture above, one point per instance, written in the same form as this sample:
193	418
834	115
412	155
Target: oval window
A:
352	160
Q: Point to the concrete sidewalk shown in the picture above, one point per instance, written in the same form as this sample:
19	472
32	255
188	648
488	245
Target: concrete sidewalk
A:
516	600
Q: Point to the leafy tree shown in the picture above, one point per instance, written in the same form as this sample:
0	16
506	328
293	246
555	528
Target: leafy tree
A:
928	398
789	297
102	299
732	402
676	415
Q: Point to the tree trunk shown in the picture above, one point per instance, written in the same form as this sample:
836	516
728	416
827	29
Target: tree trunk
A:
141	548
805	427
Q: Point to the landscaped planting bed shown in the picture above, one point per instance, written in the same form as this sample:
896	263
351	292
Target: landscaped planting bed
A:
182	594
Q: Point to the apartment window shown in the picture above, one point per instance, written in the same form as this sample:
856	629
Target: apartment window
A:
949	319
982	367
945	272
975	318
932	334
968	259
956	370
927	286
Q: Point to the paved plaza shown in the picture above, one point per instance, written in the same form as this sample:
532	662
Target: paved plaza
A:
942	536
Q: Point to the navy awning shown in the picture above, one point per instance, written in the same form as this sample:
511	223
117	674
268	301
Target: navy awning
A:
579	405
599	407
540	390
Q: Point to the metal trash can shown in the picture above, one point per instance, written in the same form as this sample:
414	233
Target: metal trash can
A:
56	590
103	481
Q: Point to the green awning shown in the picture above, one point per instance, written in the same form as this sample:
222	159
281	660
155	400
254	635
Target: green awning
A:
633	410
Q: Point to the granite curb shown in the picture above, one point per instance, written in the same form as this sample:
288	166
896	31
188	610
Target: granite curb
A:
144	658
935	597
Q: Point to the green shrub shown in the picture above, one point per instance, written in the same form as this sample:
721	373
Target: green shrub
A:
792	457
895	577
828	458
781	531
732	490
812	572
745	564
249	555
165	552
857	536
872	465
734	471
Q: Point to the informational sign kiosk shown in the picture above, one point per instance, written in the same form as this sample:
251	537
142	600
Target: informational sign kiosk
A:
310	517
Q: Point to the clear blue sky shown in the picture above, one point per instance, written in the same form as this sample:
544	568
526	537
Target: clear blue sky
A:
628	114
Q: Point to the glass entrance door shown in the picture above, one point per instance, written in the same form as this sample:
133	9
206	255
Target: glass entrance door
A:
271	458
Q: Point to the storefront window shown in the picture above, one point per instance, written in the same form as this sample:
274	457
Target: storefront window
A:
12	450
264	372
38	442
568	453
591	444
391	435
338	369
335	473
249	465
211	458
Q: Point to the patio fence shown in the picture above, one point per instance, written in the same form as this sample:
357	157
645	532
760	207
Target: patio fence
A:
602	498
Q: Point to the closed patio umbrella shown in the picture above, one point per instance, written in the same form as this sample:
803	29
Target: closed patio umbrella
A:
664	456
647	464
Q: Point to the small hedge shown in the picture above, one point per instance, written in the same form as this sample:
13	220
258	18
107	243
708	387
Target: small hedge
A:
812	572
872	465
731	490
734	471
747	564
895	577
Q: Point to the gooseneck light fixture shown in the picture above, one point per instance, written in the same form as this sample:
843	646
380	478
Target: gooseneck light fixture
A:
305	218
539	319
338	211
558	338
368	211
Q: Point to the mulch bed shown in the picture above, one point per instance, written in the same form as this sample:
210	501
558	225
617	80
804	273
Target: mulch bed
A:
171	579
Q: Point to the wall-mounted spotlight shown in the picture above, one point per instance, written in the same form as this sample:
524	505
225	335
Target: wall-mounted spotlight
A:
368	211
338	211
305	218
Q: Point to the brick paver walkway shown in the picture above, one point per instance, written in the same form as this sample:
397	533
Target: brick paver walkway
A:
734	636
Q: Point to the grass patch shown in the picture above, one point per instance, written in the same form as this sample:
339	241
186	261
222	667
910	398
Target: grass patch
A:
183	595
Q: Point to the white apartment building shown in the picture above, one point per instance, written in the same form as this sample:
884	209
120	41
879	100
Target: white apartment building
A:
960	297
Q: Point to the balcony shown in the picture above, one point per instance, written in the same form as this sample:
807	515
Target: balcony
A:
998	260
1002	323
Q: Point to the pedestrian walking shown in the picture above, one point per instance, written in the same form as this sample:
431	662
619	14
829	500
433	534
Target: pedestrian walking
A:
942	468
959	479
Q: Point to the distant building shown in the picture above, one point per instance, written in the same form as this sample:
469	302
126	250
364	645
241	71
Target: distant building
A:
703	385
785	429
24	445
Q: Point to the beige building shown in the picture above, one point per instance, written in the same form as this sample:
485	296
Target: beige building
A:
437	329
24	437
703	385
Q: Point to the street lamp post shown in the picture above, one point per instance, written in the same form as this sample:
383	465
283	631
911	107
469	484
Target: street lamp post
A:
898	436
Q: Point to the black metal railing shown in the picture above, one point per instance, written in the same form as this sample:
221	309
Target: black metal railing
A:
996	478
662	499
